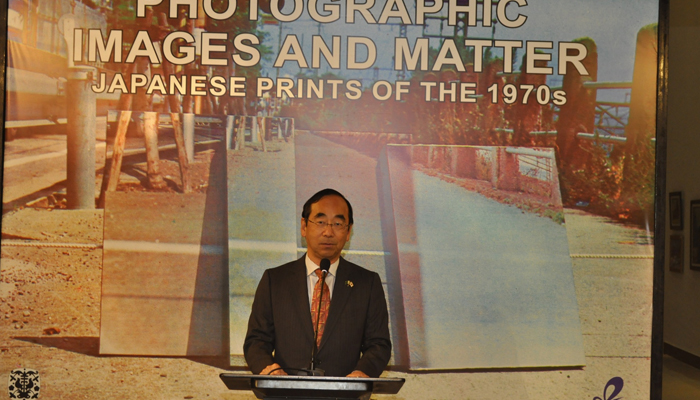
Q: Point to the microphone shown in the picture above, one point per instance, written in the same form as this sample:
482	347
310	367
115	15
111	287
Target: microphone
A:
325	266
313	371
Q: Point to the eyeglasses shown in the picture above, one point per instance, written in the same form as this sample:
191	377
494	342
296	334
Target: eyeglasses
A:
337	226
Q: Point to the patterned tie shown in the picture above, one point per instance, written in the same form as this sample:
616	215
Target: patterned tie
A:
325	304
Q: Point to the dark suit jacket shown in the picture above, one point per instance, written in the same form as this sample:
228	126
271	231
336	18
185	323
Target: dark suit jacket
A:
280	322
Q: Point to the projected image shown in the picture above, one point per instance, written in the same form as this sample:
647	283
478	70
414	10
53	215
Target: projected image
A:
469	242
499	157
483	257
163	235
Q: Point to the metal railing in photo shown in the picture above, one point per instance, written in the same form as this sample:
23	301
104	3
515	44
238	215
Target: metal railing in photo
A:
521	169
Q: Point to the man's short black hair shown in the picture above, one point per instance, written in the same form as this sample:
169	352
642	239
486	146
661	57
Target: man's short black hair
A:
306	211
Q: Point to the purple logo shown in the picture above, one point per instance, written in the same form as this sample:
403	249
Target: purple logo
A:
24	384
616	384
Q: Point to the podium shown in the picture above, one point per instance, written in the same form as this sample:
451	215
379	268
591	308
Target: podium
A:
272	387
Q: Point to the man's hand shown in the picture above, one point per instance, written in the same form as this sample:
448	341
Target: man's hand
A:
357	374
272	367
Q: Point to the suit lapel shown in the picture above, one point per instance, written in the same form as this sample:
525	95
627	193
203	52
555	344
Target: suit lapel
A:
341	294
300	296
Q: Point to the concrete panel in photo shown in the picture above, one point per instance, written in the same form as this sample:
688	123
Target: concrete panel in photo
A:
485	284
262	227
350	166
164	284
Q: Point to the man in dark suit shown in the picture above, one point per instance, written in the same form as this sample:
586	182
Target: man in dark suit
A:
355	340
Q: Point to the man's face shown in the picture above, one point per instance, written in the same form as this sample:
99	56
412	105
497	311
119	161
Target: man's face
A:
326	242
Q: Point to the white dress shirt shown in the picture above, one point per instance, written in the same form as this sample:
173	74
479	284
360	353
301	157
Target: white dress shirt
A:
312	278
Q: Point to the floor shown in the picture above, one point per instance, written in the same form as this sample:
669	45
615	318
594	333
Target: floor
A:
680	380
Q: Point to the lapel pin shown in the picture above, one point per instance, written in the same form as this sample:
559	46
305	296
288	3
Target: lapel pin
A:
349	284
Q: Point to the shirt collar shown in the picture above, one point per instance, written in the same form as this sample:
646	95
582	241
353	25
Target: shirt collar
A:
311	266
